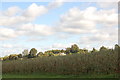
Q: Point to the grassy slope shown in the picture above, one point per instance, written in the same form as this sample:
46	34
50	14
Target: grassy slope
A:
47	75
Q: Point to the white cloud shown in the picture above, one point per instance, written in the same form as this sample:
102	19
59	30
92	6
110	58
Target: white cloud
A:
57	46
10	45
11	11
82	21
36	29
62	36
10	48
34	11
101	36
107	5
27	15
7	46
55	4
43	30
34	38
60	45
26	30
6	33
11	21
15	15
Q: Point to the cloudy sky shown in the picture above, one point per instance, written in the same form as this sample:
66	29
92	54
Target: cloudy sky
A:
56	25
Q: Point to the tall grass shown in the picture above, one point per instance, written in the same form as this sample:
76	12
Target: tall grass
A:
98	62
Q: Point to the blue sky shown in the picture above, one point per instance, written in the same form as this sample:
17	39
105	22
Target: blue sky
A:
56	25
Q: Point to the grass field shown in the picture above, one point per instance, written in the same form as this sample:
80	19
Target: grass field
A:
49	75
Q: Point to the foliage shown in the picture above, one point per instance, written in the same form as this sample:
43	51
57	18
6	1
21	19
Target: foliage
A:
103	61
74	49
5	58
13	57
68	50
32	53
20	56
25	52
40	54
103	48
94	50
55	51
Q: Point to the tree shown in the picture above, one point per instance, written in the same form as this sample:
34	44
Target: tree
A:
49	53
74	49
20	56
94	50
67	51
13	57
25	52
85	50
103	48
55	51
5	58
62	51
40	54
117	47
32	53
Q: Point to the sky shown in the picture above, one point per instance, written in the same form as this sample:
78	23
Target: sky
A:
57	25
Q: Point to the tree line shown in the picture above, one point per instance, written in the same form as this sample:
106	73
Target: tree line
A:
77	61
33	53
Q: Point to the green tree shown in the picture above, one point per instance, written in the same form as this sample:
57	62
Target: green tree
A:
13	57
117	46
50	54
5	58
32	53
67	51
103	48
85	50
94	50
20	56
40	54
55	51
74	49
62	51
25	52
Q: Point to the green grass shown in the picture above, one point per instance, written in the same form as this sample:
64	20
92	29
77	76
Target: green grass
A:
49	75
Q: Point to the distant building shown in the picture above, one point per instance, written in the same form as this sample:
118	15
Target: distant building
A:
62	54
